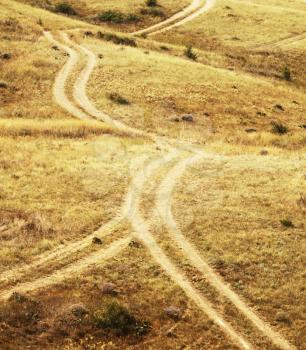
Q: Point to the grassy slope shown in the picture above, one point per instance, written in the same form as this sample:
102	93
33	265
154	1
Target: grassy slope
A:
57	183
88	10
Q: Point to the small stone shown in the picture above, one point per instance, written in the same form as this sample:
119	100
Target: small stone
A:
6	56
173	312
54	47
100	56
264	152
109	288
3	85
97	240
187	118
280	107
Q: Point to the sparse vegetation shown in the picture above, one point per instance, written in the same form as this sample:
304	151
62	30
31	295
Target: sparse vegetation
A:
189	52
151	3
287	223
286	73
116	39
65	8
117	17
117	98
117	318
279	128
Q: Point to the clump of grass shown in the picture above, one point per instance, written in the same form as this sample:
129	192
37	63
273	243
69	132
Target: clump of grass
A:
151	3
286	73
189	52
117	318
116	39
64	7
117	98
287	223
156	12
117	17
279	128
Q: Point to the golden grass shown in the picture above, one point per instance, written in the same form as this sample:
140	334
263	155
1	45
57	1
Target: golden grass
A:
53	128
231	210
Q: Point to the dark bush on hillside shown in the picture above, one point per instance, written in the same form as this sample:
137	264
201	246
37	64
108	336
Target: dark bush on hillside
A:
287	223
64	7
279	128
286	73
115	97
190	53
116	39
117	17
151	3
117	318
155	12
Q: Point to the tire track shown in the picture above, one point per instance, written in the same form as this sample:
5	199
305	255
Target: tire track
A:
282	43
60	275
143	234
164	209
194	10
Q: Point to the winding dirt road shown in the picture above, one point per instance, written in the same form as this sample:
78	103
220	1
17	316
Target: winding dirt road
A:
131	205
195	9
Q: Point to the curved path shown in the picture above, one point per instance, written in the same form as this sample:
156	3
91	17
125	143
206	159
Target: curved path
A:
197	8
163	205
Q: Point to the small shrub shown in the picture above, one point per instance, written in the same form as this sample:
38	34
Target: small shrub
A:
279	128
117	17
116	39
115	97
117	318
151	3
287	223
286	73
155	12
190	53
64	7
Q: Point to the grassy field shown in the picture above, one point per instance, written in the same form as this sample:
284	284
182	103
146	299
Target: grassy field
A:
61	179
126	15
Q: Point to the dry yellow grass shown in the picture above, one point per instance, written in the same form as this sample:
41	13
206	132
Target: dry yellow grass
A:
62	178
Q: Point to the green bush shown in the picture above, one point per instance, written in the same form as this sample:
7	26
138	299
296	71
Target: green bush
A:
117	318
190	53
116	39
117	17
64	7
151	3
287	223
279	128
115	97
286	73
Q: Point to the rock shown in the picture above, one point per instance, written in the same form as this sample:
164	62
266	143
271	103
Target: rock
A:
283	317
280	107
3	85
187	118
6	56
206	114
250	130
54	47
109	288
264	152
97	240
173	312
100	56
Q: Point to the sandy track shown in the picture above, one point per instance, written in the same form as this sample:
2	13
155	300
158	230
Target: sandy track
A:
282	43
72	269
163	205
143	234
194	10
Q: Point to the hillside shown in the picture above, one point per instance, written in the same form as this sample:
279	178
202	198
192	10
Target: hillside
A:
152	191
